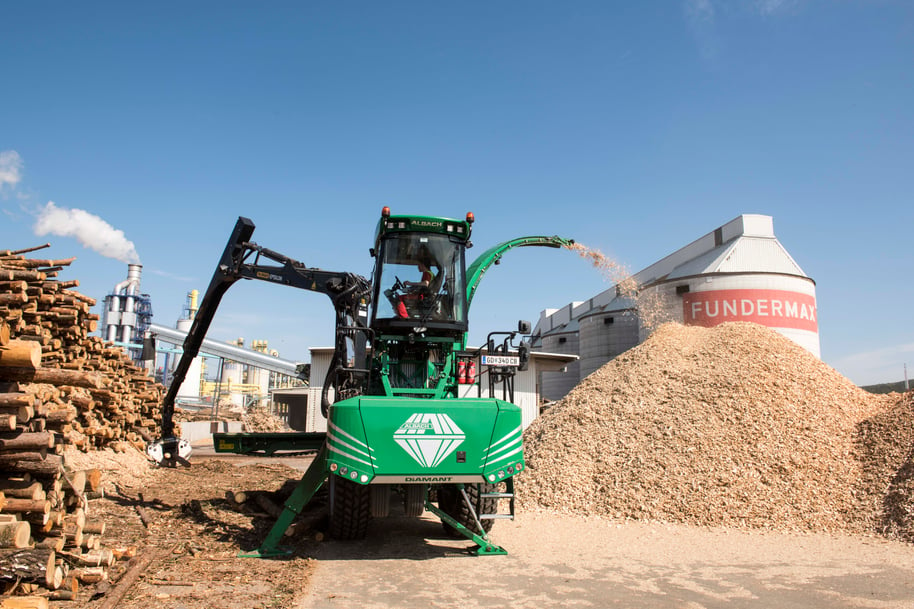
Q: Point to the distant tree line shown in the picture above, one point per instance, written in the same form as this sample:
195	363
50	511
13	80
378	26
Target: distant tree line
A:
886	387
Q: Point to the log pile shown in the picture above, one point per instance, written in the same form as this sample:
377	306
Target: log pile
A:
59	387
54	375
49	542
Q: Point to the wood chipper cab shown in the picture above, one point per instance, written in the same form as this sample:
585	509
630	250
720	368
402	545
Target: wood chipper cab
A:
402	426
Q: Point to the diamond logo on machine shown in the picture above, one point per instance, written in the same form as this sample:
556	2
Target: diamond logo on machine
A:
429	437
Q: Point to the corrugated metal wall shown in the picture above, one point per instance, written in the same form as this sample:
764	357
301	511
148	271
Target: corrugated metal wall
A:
556	384
604	336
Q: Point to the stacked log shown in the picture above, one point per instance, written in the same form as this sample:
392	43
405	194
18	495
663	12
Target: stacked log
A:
48	540
59	386
54	375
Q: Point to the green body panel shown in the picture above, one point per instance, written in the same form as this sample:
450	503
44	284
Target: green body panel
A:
406	440
348	452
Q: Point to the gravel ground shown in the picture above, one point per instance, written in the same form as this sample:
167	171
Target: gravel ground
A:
560	560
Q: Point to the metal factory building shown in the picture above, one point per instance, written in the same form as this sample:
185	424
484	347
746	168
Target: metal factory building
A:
737	272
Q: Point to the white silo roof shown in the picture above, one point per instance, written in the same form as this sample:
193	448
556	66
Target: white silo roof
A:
744	244
742	255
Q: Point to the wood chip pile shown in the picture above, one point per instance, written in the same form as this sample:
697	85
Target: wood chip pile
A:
260	419
728	426
60	389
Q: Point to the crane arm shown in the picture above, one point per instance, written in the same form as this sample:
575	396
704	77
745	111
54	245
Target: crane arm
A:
348	292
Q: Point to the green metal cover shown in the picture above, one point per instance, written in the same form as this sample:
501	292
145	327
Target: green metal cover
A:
408	440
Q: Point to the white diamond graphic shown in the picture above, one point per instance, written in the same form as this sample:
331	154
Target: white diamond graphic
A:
429	437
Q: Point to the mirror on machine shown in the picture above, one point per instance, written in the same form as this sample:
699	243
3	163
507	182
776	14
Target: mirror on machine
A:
523	355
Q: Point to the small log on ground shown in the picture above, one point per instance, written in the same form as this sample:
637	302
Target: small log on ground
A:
24	602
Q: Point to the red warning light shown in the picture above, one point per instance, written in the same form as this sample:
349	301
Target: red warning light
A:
470	217
385	212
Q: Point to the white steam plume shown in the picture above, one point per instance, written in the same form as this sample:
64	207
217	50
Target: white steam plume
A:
93	232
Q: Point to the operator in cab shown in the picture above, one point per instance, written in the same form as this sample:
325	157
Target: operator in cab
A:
416	290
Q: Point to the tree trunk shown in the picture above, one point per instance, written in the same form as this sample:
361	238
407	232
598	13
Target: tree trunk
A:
51	467
55	376
26	441
20	354
15	534
36	565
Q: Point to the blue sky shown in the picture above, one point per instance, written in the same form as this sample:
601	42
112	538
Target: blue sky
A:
633	128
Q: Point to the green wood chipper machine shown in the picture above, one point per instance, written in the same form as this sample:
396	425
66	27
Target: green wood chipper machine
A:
401	424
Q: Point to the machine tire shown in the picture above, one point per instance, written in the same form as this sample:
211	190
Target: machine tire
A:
380	500
414	499
350	508
451	502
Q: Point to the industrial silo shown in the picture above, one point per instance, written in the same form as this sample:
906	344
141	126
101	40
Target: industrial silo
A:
742	274
606	332
557	332
737	272
564	339
190	387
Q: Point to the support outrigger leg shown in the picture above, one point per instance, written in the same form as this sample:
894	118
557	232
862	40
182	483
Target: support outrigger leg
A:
310	482
484	547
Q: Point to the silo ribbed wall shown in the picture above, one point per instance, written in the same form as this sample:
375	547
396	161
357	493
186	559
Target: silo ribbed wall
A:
604	336
554	385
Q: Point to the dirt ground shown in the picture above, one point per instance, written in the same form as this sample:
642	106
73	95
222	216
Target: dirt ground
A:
187	558
188	547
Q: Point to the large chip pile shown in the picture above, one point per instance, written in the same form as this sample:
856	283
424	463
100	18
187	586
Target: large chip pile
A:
734	426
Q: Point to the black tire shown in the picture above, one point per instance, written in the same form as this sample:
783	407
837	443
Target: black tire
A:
414	499
350	508
451	502
380	500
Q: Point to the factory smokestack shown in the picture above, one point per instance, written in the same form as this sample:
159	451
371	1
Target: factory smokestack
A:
127	311
90	230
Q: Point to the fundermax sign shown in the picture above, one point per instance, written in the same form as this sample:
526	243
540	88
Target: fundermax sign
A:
772	308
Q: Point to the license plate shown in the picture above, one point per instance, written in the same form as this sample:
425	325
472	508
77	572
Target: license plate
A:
500	360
